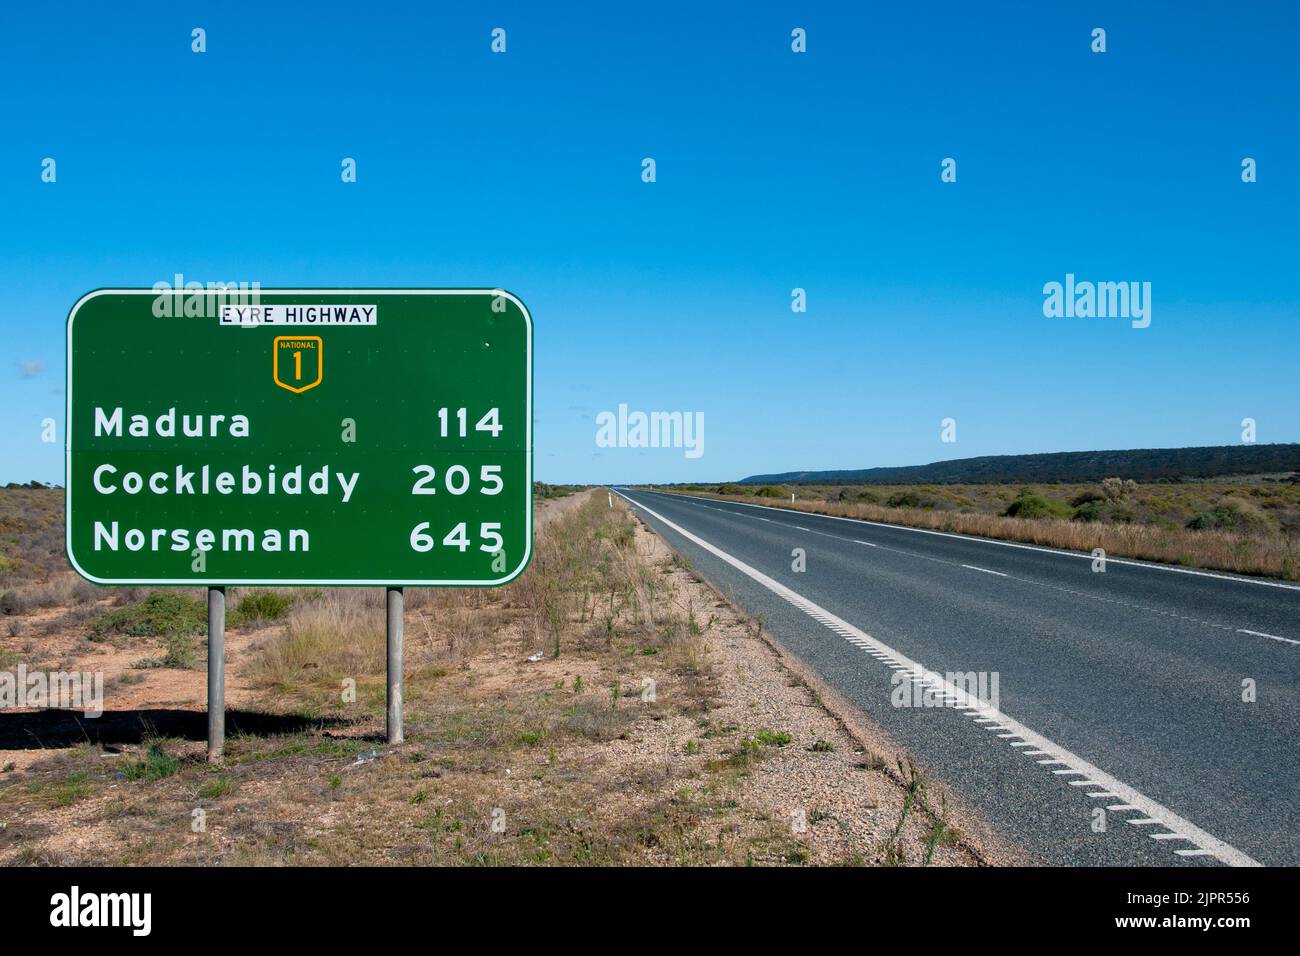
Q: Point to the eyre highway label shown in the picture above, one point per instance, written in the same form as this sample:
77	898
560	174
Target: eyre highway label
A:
299	437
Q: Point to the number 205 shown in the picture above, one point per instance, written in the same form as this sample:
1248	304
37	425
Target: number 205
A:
458	537
456	480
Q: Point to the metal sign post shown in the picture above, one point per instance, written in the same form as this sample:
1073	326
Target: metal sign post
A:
396	617
216	674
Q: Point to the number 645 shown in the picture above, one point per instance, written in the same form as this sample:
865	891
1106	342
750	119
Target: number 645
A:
458	537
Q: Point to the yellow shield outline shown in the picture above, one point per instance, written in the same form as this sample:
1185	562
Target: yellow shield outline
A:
320	360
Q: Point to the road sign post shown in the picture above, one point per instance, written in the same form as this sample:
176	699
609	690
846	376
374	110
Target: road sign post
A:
216	674
299	437
396	619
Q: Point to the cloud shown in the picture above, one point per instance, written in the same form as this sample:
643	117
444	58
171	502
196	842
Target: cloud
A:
29	369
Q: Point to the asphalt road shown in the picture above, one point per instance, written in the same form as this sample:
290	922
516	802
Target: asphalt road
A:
1118	734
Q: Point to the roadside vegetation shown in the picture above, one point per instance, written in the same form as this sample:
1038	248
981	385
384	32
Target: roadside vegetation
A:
607	707
1246	525
544	492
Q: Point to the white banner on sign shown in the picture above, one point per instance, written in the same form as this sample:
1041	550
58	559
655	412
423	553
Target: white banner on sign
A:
248	316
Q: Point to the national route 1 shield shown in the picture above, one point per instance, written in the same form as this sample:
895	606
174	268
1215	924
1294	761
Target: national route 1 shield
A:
299	437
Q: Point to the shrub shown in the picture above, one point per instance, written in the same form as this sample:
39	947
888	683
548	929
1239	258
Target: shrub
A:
772	491
180	652
1086	498
1031	505
542	490
904	499
164	612
261	605
156	765
1090	510
1229	515
1117	489
11	602
731	490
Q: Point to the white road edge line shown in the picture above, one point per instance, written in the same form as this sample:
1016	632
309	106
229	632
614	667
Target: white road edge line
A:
1271	637
985	570
1203	841
1006	544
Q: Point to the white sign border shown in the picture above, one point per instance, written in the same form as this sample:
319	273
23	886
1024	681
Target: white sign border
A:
305	582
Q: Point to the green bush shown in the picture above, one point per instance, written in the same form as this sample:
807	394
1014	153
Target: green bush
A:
156	765
731	490
11	602
1221	517
1104	510
180	651
912	499
772	491
164	612
261	605
904	499
1030	505
1090	510
1230	515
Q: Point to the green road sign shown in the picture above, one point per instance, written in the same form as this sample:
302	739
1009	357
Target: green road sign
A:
299	436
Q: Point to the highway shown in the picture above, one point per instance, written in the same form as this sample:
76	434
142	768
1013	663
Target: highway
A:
1140	715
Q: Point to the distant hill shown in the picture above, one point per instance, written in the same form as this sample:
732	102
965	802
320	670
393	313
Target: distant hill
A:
1140	464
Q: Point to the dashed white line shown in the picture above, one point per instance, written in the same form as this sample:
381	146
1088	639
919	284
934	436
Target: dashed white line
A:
1042	584
985	570
1005	544
1206	843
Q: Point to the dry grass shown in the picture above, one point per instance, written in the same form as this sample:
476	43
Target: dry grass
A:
324	641
655	728
1155	530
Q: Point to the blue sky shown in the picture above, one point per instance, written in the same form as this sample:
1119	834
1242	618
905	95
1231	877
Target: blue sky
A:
775	170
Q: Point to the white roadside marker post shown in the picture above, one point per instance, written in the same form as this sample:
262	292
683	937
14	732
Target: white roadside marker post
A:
396	613
611	499
216	674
